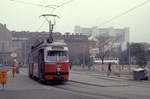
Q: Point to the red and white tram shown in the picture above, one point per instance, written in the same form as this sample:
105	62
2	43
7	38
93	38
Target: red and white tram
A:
49	61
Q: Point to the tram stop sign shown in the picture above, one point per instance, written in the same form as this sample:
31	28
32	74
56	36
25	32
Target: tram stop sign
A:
3	77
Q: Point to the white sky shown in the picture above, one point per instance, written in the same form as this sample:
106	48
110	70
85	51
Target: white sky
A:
86	13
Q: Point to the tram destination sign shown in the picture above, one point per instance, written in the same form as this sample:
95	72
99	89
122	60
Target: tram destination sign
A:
57	47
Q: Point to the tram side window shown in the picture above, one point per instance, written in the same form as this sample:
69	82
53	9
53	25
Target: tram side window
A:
41	54
35	57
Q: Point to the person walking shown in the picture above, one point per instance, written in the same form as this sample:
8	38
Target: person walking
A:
70	65
109	69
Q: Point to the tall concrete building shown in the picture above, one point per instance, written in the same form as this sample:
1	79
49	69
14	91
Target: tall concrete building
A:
83	30
122	34
5	44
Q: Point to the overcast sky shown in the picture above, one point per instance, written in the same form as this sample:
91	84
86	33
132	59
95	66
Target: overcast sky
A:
86	13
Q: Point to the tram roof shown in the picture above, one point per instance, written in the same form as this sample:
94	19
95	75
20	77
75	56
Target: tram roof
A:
58	43
45	44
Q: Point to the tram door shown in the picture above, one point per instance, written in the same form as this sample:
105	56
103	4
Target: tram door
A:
41	63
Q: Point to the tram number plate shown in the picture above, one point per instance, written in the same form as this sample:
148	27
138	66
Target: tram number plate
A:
58	78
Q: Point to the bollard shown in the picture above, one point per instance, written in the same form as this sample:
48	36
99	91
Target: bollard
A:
13	71
3	78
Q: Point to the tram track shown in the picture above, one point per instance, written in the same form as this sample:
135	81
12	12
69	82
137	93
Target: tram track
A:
80	88
98	85
83	90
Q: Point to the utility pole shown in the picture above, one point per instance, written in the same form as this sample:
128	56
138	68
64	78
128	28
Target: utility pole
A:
129	56
84	46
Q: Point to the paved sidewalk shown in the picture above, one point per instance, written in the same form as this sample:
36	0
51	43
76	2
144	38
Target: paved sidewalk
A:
117	75
82	77
19	82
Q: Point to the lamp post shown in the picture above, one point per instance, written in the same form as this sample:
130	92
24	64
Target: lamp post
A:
129	56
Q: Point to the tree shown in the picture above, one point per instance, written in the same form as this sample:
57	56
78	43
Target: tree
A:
85	59
139	53
138	50
105	44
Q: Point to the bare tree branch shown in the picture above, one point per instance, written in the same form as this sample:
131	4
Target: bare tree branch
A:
105	44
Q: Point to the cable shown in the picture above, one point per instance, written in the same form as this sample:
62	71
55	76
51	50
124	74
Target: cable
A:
40	26
53	7
66	3
61	5
53	0
30	3
126	12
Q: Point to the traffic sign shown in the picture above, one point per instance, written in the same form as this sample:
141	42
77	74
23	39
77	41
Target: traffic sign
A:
13	54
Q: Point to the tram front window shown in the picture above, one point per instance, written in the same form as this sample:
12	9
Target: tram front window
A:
57	56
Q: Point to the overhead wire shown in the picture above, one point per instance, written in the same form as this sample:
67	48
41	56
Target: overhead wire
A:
53	7
34	4
64	3
126	12
40	26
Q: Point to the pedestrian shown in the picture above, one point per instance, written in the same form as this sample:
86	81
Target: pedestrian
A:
70	65
109	69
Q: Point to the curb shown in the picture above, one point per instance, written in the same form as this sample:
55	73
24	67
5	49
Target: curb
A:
112	76
97	84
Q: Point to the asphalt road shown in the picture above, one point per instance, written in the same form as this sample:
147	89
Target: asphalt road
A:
80	86
22	87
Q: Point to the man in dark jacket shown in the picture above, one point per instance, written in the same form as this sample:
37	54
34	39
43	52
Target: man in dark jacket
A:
109	69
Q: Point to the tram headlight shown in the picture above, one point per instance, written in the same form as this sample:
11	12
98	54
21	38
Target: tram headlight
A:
58	69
